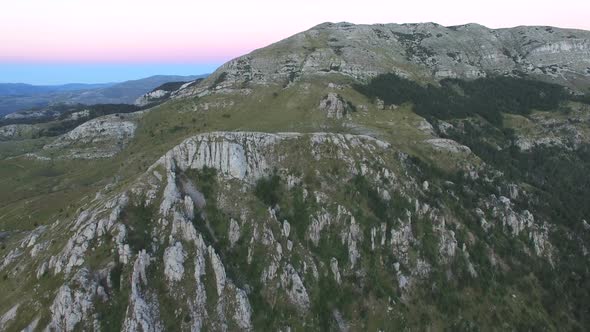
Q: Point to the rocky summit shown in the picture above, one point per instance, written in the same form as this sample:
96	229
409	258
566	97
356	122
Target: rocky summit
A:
348	178
424	52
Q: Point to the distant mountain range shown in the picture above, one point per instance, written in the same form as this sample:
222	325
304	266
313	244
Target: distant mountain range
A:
22	89
15	97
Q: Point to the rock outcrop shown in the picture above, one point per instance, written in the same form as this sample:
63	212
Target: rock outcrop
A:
98	138
174	258
143	311
18	131
152	97
74	303
334	106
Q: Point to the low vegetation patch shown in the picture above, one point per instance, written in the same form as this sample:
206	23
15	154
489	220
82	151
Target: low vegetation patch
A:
269	189
139	220
111	313
454	98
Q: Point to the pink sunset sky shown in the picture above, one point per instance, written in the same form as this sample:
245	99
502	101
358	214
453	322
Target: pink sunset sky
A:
211	32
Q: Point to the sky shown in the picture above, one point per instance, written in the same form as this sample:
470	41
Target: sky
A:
91	41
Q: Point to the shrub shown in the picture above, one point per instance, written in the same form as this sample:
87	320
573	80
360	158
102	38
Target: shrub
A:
220	79
138	218
268	189
170	86
487	97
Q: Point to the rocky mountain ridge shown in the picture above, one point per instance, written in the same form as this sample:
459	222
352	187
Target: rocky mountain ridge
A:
288	192
424	52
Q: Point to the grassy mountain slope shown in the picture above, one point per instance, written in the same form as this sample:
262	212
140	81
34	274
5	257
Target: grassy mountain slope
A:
324	201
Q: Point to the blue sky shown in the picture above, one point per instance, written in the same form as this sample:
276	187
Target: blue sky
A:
46	41
52	74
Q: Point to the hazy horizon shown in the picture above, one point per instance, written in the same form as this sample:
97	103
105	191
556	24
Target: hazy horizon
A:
89	73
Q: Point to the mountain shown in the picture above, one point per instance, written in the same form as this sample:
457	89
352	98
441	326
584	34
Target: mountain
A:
19	89
17	97
423	52
127	92
351	177
164	92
